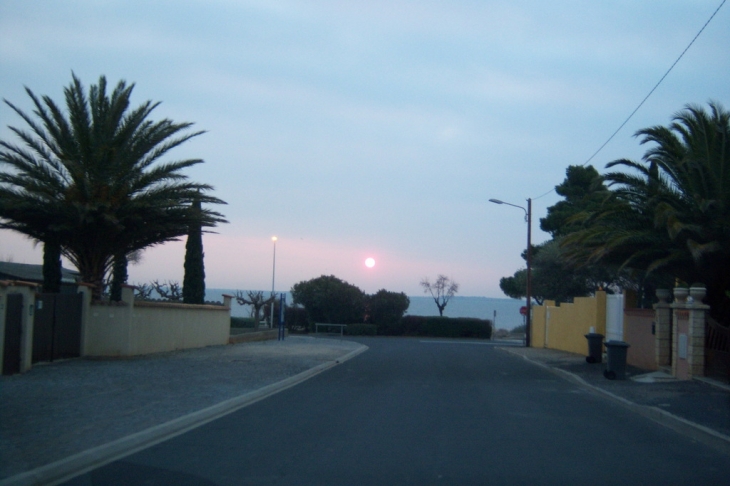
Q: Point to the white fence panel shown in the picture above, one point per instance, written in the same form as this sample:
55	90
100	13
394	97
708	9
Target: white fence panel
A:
615	317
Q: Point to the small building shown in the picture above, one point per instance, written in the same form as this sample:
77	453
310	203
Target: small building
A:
34	273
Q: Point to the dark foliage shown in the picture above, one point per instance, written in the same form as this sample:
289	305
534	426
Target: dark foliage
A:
91	178
119	277
361	330
194	279
327	299
385	307
422	326
52	268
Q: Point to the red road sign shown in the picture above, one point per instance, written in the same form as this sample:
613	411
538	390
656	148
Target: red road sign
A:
523	310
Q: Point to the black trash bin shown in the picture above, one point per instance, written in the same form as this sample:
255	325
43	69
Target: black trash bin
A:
595	347
616	360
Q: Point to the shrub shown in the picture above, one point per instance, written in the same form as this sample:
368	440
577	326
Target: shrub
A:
329	299
361	330
243	322
459	328
439	327
295	319
386	308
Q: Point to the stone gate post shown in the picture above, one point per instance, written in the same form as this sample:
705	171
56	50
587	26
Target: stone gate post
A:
688	340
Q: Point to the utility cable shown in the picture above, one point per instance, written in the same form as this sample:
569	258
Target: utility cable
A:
647	96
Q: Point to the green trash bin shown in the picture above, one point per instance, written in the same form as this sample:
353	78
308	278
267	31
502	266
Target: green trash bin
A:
595	347
616	360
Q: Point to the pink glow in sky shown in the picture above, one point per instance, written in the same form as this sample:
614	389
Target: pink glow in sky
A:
372	129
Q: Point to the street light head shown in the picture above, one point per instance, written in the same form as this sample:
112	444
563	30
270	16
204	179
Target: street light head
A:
274	238
496	201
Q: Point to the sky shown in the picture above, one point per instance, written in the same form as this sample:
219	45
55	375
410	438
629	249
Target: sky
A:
378	129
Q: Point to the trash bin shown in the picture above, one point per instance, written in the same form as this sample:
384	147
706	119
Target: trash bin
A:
616	360
595	347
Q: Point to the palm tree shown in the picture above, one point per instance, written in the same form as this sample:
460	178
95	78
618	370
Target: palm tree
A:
91	180
674	215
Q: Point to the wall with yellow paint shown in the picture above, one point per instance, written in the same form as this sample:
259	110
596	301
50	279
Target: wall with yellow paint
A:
564	326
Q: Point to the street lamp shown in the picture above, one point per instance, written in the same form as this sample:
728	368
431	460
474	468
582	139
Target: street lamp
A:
528	218
273	277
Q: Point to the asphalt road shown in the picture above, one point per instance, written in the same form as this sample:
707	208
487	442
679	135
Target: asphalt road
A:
412	411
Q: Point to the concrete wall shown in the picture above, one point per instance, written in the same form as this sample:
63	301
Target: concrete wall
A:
638	333
564	327
132	328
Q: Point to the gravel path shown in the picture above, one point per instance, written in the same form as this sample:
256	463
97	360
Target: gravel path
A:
60	409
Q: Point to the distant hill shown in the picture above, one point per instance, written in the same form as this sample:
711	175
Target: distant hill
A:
507	310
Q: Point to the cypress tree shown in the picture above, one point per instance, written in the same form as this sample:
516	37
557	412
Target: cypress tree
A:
194	280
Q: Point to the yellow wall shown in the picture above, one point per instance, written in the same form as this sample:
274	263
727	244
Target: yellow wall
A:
133	328
564	327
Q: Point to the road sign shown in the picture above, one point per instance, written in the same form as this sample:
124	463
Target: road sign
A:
523	310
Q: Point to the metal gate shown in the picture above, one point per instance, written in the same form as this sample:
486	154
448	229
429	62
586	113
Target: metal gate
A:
13	331
615	317
717	350
57	327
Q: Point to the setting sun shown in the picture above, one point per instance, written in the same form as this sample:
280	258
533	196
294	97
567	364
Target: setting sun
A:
370	262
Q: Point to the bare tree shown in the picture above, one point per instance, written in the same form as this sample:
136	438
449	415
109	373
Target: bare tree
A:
255	300
441	290
143	291
169	290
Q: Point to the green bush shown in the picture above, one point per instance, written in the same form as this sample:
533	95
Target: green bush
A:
439	327
361	330
459	328
296	320
386	308
243	322
329	299
406	326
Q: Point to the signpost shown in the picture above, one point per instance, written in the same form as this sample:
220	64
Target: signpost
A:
282	306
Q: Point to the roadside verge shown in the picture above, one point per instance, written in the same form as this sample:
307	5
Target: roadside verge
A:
67	468
701	433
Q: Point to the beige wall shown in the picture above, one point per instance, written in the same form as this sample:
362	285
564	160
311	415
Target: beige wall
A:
133	328
564	327
638	333
159	327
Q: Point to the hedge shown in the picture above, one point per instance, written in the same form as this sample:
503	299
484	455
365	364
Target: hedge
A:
361	330
423	326
243	322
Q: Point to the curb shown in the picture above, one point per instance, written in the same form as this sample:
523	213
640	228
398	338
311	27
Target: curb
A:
700	433
70	467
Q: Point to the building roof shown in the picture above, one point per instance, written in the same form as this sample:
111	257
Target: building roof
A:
33	273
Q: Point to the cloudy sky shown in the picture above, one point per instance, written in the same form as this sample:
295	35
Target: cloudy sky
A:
380	129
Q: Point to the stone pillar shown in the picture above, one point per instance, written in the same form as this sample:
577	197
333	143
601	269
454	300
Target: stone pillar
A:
28	291
128	294
697	319
662	329
688	340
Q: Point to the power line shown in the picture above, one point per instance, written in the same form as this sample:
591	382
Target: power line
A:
648	95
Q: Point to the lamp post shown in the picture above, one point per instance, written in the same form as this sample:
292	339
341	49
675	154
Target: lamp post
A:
273	278
528	218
